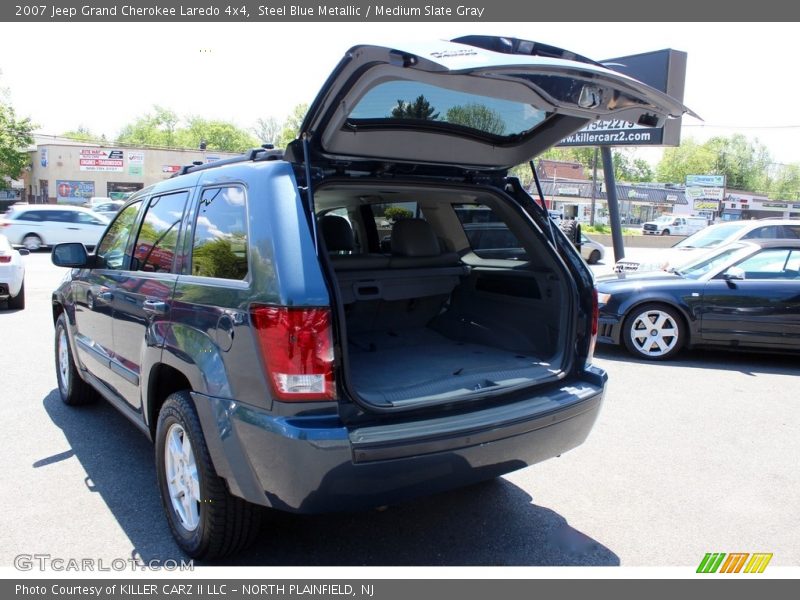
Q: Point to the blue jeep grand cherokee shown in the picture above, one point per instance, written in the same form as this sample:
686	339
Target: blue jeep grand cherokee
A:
312	330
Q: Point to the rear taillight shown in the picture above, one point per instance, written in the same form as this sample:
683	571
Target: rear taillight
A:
4	259
595	322
297	347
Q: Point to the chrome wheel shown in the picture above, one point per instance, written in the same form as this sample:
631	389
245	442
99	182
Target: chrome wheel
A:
63	362
654	333
183	482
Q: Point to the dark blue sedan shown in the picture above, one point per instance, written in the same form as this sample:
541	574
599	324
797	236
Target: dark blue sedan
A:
745	295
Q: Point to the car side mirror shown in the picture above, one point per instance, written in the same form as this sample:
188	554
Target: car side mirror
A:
72	255
23	251
733	274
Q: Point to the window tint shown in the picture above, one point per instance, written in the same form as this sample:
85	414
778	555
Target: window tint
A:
158	236
488	235
411	101
219	248
31	215
791	232
775	263
111	249
86	219
763	233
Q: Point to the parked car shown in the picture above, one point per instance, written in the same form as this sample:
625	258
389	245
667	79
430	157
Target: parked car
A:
12	275
37	225
742	296
674	225
107	209
591	250
712	237
279	358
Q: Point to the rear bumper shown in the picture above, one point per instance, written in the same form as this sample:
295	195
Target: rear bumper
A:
317	464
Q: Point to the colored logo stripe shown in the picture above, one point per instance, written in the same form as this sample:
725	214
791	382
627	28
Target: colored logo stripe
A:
713	562
710	562
734	562
758	563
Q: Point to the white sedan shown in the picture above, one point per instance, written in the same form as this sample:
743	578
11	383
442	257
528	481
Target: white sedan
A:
12	275
591	251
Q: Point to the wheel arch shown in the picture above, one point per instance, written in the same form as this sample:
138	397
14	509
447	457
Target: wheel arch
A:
687	321
164	380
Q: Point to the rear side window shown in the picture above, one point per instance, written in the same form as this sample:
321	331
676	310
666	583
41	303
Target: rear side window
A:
219	247
770	232
488	235
111	249
158	236
86	219
31	215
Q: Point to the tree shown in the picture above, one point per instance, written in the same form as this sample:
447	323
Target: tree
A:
631	169
218	135
267	130
15	137
477	116
161	128
785	184
291	125
82	133
157	128
419	109
743	163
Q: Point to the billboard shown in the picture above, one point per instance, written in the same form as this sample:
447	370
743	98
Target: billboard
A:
664	70
99	159
705	191
74	192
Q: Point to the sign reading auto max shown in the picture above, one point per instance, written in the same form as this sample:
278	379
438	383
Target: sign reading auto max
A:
98	159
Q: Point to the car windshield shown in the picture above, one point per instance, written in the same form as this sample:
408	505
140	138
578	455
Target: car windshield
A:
702	266
711	237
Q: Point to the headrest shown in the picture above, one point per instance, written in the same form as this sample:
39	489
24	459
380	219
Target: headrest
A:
338	233
414	237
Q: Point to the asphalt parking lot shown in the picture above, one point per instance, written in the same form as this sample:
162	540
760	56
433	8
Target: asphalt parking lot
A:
697	455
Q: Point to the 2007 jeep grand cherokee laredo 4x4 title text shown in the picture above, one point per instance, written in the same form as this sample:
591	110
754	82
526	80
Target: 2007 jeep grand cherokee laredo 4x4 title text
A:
312	331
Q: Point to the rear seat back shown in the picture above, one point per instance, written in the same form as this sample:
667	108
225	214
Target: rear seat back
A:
415	245
417	269
340	242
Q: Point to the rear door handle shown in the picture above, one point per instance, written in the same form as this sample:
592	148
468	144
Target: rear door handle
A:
155	307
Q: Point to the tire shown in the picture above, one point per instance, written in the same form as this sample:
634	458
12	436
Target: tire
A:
665	232
594	257
74	391
32	242
570	229
206	520
18	301
654	332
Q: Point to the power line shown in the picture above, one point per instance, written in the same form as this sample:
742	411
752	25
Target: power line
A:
741	126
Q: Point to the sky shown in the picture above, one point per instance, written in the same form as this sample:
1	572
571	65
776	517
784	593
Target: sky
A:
104	75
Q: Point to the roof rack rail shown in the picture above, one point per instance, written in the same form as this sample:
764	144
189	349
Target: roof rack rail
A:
265	152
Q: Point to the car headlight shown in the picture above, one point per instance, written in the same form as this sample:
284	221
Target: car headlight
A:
603	298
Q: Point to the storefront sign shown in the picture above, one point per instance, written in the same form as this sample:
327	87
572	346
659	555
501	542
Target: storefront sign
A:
74	192
704	204
136	163
98	159
705	181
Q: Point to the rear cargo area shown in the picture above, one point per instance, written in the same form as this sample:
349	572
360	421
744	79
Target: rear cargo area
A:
429	320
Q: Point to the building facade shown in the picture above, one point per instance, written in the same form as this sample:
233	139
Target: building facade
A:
69	172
